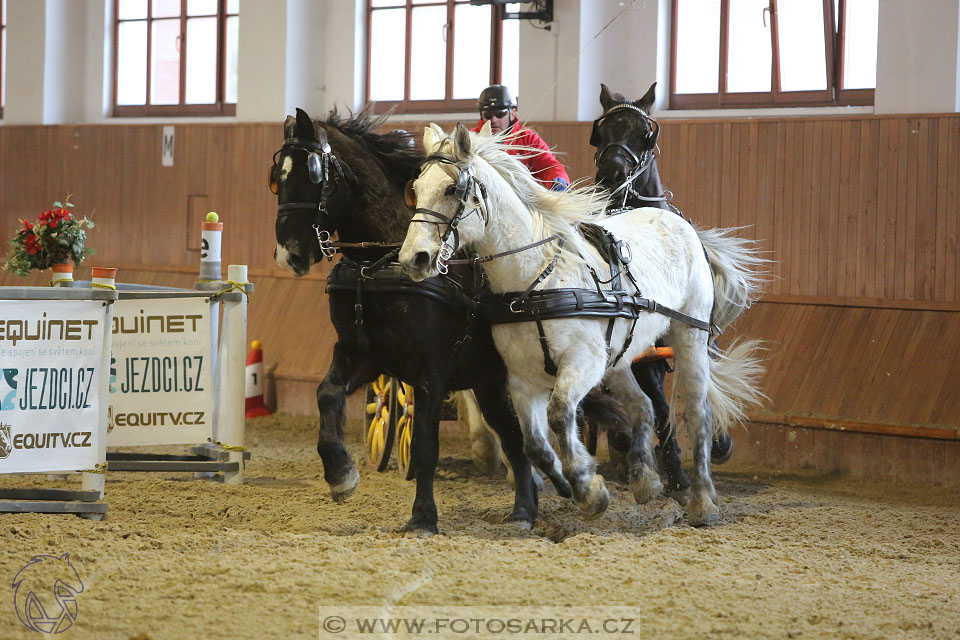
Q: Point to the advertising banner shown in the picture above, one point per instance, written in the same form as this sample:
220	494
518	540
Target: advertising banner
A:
50	358
160	378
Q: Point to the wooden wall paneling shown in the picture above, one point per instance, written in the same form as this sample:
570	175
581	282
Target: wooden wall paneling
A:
940	348
728	158
777	213
902	199
866	214
913	178
927	235
885	211
951	228
750	195
943	168
792	211
893	209
947	402
870	353
805	212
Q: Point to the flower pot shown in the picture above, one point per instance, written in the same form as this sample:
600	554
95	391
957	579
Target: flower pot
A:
103	278
62	275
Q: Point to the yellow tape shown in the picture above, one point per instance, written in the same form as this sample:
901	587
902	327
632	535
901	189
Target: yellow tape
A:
227	447
54	283
234	286
101	467
97	285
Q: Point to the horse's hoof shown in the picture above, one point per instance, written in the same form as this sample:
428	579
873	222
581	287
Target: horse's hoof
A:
597	499
419	530
646	486
680	495
343	490
522	522
702	513
722	449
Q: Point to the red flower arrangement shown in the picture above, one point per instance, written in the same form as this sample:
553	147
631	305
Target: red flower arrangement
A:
57	237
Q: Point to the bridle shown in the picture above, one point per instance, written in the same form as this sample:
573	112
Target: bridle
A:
320	158
639	163
471	197
466	185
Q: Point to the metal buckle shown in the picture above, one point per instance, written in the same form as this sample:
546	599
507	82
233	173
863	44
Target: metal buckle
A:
326	243
445	253
513	302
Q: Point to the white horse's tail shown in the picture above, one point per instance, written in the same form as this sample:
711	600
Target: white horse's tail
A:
738	273
734	385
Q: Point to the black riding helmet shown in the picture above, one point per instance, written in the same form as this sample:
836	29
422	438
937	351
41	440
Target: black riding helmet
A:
496	96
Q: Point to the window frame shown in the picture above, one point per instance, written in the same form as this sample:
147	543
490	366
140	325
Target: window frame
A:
218	108
833	95
448	104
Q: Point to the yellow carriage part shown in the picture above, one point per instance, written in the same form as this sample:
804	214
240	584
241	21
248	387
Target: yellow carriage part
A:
382	412
405	430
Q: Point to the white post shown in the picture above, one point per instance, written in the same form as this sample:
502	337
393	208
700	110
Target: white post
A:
232	372
211	279
61	276
97	481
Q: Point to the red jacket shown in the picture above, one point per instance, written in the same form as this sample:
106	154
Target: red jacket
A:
544	166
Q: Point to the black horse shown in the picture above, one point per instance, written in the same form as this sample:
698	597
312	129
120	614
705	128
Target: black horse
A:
626	140
340	176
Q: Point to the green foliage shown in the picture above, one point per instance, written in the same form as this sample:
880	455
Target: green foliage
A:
57	237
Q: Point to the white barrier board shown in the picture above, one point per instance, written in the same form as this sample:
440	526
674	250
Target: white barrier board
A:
160	379
50	357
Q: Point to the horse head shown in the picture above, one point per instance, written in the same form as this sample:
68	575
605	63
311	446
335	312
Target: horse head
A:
339	177
444	195
625	137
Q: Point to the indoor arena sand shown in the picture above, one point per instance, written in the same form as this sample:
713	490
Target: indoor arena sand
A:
791	557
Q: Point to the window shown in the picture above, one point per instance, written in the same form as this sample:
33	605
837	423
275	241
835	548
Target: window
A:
429	56
3	54
762	53
175	57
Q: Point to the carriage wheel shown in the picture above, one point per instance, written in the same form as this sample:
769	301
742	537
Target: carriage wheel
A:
382	415
405	430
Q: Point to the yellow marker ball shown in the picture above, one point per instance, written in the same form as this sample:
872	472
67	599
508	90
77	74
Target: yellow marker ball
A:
255	344
213	217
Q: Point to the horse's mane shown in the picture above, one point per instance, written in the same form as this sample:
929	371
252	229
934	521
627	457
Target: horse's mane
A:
394	150
559	211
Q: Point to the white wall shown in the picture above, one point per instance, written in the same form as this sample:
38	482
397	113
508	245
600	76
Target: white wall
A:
306	47
346	53
26	34
917	64
261	61
622	54
312	53
65	63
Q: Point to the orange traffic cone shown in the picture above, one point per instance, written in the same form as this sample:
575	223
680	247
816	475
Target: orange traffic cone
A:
254	394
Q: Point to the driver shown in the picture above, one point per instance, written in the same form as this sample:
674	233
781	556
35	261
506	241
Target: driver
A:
498	105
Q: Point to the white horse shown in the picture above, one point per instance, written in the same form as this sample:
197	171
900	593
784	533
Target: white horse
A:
496	207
